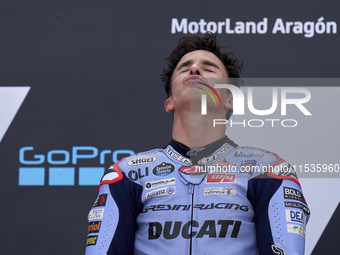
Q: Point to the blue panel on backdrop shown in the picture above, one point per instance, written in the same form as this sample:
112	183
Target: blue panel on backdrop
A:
61	176
31	176
90	176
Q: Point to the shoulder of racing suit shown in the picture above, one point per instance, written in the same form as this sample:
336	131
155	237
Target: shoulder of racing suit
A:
258	161
125	167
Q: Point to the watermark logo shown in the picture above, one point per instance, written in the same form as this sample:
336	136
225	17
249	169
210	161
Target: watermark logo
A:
240	102
204	97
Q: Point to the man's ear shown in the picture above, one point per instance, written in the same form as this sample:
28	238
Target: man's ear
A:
228	103
169	107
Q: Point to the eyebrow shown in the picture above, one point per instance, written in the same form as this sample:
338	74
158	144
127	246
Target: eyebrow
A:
205	62
184	64
209	63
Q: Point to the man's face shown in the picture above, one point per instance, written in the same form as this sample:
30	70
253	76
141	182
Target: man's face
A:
196	66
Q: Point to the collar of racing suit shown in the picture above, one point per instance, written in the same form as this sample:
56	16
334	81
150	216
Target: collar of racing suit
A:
196	154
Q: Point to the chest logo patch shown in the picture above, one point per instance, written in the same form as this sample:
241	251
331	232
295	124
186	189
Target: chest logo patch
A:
221	178
220	191
163	169
161	192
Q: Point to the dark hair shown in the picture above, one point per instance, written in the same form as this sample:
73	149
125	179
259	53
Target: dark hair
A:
206	41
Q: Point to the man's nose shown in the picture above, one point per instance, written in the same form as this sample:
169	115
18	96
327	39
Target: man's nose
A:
195	69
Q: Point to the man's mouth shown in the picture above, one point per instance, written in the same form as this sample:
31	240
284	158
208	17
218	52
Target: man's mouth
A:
194	79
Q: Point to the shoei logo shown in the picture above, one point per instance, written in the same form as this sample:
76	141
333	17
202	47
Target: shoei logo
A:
239	104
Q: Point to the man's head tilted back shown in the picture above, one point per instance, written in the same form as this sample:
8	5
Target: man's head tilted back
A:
206	42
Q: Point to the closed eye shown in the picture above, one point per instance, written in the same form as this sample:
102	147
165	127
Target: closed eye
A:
210	71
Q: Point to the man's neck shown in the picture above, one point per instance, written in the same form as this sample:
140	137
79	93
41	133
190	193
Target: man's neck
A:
196	130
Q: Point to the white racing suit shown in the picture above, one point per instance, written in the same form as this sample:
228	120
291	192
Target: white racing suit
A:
233	200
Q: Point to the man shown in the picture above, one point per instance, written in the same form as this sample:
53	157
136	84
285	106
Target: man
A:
200	194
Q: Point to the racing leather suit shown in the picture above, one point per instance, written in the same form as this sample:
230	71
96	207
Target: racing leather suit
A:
224	199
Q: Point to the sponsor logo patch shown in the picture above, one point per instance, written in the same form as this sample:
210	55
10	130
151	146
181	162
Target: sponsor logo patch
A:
141	161
248	165
91	240
297	205
220	191
221	178
290	193
171	229
194	151
210	206
240	154
163	169
214	156
139	174
285	169
278	250
94	227
161	192
296	216
192	169
96	214
100	200
296	229
160	183
177	156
